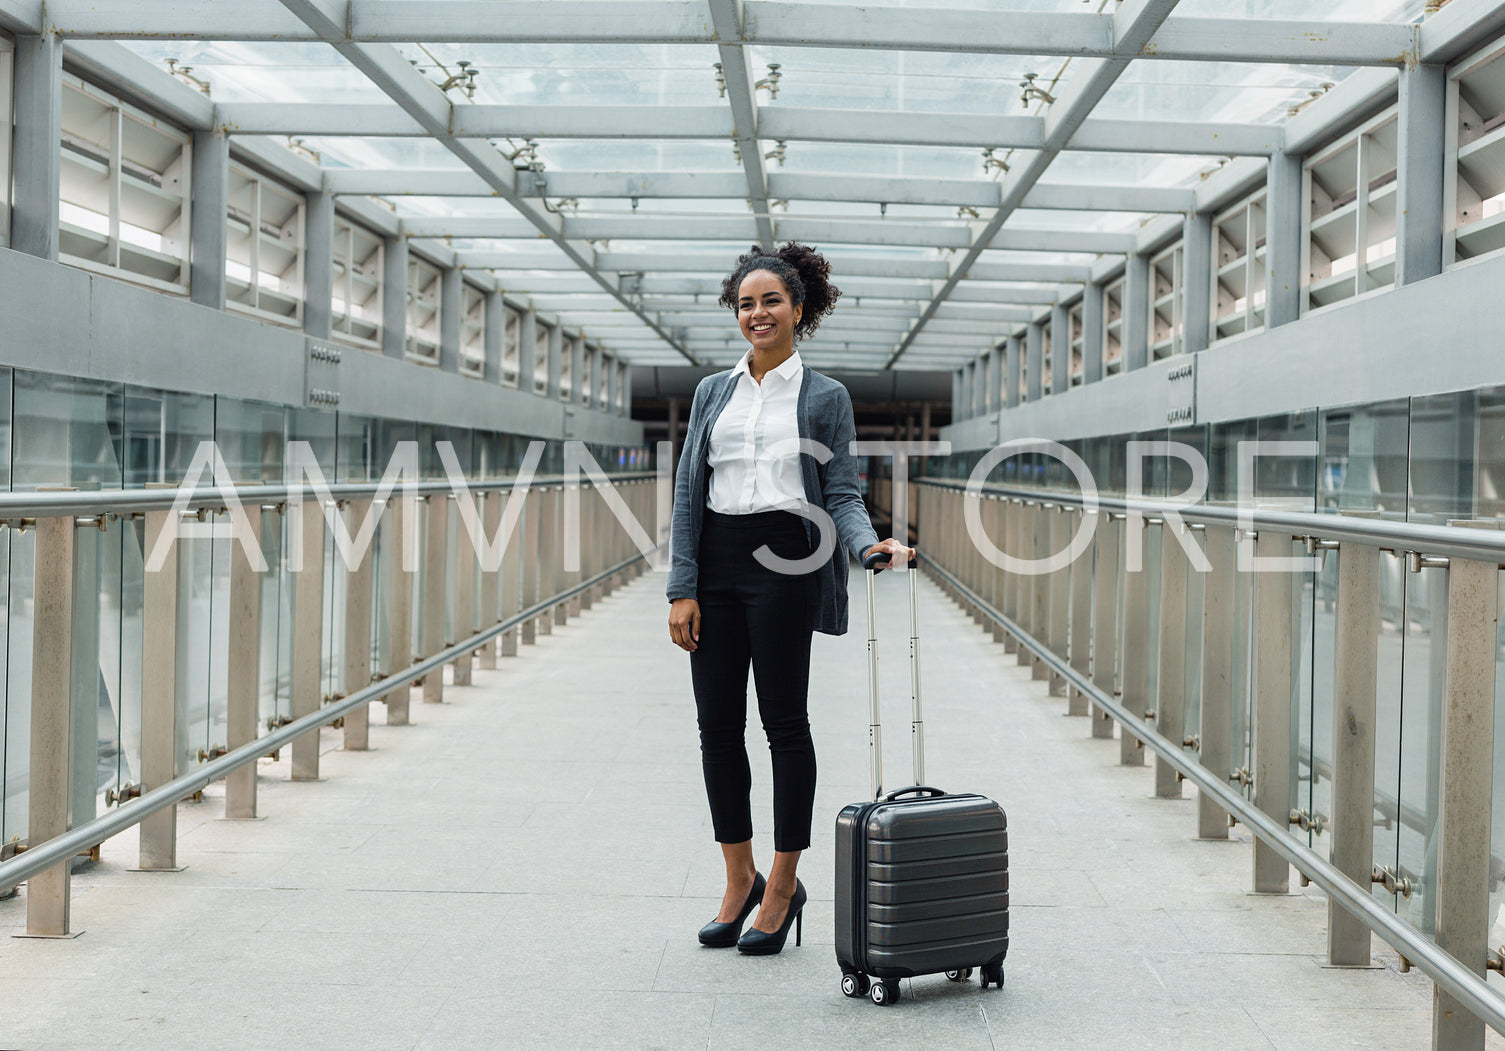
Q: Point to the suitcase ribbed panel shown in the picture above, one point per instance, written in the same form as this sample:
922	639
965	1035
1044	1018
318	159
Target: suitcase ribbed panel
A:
912	912
919	870
936	932
945	888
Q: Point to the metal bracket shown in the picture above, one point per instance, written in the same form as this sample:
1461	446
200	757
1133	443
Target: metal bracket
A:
127	791
1308	822
321	374
1416	562
1181	397
1242	776
1394	882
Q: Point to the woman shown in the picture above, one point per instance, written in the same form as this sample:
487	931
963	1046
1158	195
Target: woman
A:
747	490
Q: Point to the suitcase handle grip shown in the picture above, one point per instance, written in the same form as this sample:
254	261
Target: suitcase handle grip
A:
872	561
922	789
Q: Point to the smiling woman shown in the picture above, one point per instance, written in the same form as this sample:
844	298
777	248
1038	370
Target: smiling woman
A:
756	570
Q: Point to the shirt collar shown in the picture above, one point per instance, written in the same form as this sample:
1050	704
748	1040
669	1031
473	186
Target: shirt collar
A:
787	370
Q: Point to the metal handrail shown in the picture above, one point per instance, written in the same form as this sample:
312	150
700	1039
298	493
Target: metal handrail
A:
43	856
1467	542
1442	967
134	501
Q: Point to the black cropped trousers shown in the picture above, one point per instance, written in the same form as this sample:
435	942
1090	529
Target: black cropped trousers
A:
753	616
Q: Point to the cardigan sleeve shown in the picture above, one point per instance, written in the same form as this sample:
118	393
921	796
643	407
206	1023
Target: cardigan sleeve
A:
840	492
684	571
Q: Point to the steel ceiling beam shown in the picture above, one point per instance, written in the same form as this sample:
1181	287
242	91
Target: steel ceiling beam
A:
785	123
427	105
1134	23
971	193
742	95
767	22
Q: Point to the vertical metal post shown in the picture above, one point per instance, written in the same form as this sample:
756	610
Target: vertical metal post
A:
584	494
491	517
1014	362
549	550
308	634
1273	767
50	787
318	265
1060	537
1284	239
1421	135
435	589
555	363
510	578
528	557
1219	596
1028	535
1034	360
1197	271
1105	618
38	110
1081	621
243	670
1092	333
1463	840
1060	349
994	521
208	219
527	351
1136	311
451	306
465	599
357	670
400	535
159	692
491	338
1136	658
1355	678
1039	590
1170	703
394	298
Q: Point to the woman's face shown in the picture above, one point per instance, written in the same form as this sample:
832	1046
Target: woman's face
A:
764	311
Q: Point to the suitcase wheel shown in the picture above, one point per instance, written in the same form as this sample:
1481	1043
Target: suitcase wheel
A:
961	975
885	993
854	985
992	972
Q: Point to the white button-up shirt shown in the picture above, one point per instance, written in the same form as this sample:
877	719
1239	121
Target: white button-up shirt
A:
754	448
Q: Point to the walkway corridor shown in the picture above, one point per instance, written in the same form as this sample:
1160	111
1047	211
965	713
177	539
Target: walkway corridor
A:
526	866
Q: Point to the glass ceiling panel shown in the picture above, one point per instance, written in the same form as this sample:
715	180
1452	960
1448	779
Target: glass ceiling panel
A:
634	155
1235	92
265	72
946	162
1131	169
577	74
1329	10
339	151
490	207
918	81
1063	219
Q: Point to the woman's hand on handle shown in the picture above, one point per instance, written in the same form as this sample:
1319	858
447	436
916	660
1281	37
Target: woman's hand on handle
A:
684	623
893	548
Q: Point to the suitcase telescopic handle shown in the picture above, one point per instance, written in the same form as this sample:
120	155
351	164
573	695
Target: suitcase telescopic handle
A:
877	561
917	722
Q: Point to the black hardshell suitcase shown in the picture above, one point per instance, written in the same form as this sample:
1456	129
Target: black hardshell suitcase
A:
922	877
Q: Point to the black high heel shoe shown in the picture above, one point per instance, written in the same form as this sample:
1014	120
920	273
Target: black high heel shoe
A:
762	943
724	935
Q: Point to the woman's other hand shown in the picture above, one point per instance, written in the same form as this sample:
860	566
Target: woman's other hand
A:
893	548
684	623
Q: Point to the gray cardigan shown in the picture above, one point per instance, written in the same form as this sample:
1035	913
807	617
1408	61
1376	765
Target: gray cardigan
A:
824	416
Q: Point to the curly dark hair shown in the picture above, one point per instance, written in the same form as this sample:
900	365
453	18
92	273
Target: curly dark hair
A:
805	273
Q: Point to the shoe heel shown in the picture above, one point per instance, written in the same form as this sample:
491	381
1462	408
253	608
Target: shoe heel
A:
799	925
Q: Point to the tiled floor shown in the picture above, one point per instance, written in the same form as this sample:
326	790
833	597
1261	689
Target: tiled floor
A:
527	864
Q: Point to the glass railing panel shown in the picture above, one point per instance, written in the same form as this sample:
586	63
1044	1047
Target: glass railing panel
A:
20	560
